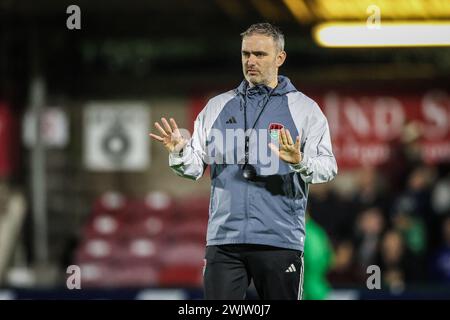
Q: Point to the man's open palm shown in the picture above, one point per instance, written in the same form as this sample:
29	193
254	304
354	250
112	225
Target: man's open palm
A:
170	135
287	150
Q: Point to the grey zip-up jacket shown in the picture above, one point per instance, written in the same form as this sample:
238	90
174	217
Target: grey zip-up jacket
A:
270	210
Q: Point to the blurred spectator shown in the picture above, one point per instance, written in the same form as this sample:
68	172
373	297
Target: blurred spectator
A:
369	229
345	270
440	197
418	187
398	266
412	212
412	230
441	261
368	189
331	212
318	259
404	156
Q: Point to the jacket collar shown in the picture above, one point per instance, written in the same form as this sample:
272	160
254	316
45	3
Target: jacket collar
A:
284	86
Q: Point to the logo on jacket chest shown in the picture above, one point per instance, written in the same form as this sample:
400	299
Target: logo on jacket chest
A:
231	120
274	129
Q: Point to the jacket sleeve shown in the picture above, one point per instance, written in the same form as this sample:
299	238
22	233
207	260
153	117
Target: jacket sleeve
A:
318	164
189	163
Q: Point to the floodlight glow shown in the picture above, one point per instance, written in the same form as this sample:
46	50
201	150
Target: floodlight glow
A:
389	34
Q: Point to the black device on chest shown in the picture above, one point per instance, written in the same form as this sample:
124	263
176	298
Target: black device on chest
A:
249	171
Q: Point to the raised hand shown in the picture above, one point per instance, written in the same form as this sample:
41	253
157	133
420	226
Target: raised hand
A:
170	136
287	150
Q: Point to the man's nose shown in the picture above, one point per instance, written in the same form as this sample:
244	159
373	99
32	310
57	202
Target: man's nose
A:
251	60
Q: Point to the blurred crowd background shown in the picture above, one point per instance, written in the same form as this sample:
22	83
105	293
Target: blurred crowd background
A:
82	184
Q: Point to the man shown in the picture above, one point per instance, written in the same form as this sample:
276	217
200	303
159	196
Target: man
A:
256	228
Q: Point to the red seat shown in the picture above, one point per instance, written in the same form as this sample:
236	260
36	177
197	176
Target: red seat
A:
111	202
155	204
98	250
142	251
183	253
193	230
181	276
95	274
130	275
150	227
103	226
125	242
118	275
191	207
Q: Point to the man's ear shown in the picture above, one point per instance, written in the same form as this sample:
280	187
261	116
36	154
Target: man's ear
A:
281	57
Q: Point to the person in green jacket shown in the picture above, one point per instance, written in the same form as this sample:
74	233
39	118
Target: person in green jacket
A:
318	260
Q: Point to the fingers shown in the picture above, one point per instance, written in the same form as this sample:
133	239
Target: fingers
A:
280	138
154	136
284	140
297	142
160	129
174	124
166	125
289	138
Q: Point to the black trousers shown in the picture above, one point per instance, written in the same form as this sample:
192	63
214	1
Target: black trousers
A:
277	273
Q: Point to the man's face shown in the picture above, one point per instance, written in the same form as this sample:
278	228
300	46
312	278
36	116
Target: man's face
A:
261	59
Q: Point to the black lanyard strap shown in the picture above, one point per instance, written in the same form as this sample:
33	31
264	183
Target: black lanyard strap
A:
247	137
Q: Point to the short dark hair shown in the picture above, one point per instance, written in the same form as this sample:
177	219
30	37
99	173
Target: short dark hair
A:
268	30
